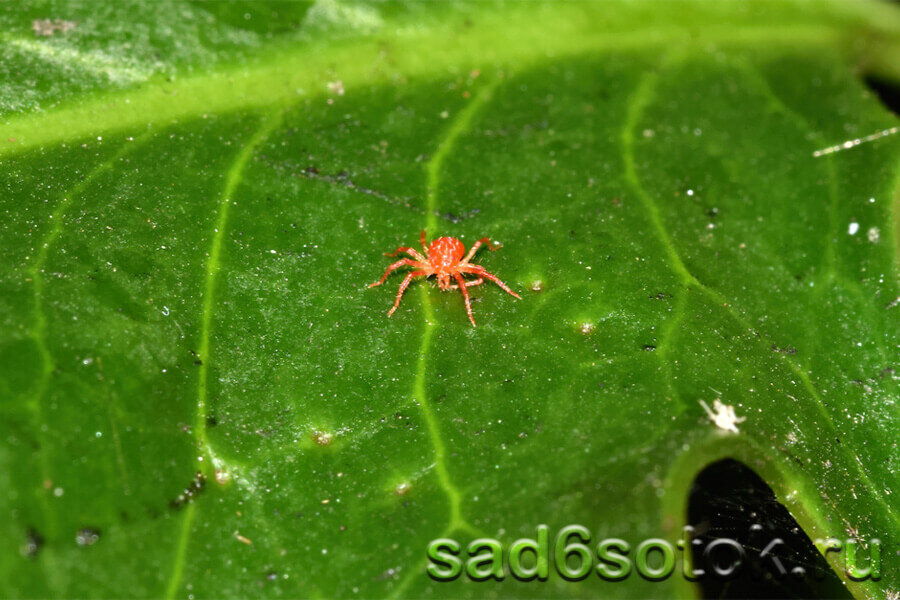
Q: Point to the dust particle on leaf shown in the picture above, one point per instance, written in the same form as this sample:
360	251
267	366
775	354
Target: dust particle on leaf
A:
34	541
197	485
242	539
323	438
785	350
222	476
87	536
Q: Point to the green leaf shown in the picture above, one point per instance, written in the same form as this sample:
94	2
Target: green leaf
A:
200	396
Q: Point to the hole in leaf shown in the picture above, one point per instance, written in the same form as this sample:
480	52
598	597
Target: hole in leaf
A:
729	501
887	91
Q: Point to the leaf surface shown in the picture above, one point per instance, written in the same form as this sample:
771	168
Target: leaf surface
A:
201	397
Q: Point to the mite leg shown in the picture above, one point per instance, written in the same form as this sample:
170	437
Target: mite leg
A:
475	269
409	277
411	251
477	245
400	263
465	293
424	245
469	284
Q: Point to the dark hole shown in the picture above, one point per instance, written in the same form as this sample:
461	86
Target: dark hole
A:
728	501
887	91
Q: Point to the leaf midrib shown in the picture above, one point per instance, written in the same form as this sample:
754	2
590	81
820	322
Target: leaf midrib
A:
303	73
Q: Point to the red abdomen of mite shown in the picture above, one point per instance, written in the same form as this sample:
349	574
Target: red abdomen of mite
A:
445	252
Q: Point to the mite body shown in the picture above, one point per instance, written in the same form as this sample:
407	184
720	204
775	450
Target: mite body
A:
446	259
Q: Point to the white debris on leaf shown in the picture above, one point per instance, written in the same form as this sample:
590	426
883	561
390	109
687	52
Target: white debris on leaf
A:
853	228
336	87
856	142
723	415
874	235
225	472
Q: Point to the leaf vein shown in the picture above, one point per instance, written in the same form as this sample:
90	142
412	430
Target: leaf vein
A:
641	98
460	125
39	317
233	179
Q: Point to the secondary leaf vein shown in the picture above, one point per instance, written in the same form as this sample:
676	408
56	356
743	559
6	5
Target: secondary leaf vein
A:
458	127
233	179
638	103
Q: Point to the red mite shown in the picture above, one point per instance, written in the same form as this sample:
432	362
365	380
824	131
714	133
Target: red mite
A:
444	259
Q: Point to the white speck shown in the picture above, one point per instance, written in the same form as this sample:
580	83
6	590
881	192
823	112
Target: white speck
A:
58	492
87	361
444	114
874	234
853	228
723	415
871	200
99	434
649	133
273	251
165	311
690	192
